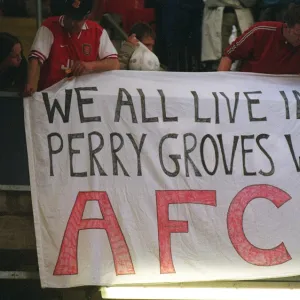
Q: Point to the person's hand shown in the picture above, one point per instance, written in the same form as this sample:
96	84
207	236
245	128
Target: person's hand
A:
80	68
133	40
28	90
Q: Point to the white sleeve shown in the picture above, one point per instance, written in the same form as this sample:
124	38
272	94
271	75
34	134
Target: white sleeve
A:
106	48
42	44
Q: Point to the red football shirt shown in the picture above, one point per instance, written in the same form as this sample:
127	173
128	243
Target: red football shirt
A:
57	50
263	49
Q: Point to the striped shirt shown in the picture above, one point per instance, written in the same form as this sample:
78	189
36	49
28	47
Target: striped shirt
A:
263	49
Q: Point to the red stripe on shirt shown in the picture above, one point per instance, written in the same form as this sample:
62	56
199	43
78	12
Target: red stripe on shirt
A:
110	56
38	55
246	36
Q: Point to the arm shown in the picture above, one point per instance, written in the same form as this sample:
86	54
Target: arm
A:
39	52
240	49
82	68
32	75
125	54
225	64
108	64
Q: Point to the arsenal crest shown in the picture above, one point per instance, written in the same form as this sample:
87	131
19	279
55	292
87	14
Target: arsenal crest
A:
86	49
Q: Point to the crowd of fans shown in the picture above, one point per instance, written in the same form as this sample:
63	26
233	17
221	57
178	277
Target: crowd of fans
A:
265	38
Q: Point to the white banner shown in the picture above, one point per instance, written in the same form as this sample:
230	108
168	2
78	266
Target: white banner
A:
159	177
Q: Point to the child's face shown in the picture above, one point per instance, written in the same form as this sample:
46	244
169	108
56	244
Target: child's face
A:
149	42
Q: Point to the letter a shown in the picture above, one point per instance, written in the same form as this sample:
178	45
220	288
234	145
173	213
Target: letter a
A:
67	260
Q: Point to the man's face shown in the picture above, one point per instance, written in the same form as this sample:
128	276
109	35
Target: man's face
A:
149	42
293	35
73	26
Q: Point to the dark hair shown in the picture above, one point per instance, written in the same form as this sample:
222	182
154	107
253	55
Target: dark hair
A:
56	8
292	15
142	30
13	79
7	42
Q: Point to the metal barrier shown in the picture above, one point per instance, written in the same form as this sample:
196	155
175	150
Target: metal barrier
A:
38	13
13	151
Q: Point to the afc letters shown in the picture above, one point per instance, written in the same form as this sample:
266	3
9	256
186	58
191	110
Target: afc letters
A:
67	263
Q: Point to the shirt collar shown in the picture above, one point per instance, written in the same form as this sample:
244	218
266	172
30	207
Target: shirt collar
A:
61	22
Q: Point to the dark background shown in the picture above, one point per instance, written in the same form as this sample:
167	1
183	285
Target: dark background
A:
13	152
